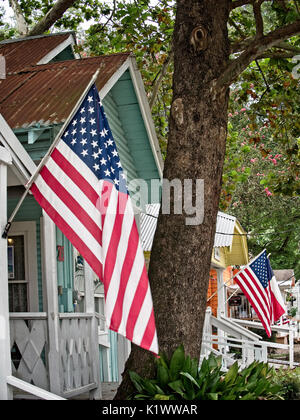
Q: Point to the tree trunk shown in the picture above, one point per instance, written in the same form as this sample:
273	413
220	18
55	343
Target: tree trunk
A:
181	254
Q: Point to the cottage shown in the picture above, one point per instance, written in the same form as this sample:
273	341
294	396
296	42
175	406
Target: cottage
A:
56	328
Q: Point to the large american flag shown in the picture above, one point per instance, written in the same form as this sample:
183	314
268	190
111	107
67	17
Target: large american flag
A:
259	285
83	189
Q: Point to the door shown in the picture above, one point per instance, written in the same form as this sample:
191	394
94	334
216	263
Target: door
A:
22	267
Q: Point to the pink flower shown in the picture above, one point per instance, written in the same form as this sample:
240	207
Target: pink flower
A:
268	192
243	109
253	160
230	115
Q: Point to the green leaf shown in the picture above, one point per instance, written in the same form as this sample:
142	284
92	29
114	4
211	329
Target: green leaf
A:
137	381
163	375
176	362
188	376
213	396
232	373
162	397
177	386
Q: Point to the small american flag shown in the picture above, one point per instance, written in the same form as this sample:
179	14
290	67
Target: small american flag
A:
259	285
83	189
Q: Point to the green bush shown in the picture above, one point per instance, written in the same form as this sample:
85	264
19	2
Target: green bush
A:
180	379
289	383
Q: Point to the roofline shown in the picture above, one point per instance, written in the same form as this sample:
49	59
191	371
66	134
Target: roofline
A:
146	114
71	40
139	88
23	165
11	41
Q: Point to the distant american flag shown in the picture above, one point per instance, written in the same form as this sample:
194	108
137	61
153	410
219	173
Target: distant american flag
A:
259	285
83	189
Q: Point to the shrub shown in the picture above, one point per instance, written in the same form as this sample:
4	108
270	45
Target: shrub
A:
180	379
289	383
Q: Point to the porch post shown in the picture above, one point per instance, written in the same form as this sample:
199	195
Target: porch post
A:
5	358
221	305
89	299
221	293
50	270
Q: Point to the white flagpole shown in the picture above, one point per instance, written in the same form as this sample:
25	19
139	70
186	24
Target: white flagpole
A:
46	157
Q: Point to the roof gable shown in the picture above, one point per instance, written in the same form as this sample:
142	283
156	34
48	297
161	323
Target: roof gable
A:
46	94
23	52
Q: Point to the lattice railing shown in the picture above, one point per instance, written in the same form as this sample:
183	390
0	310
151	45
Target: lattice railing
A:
76	357
28	338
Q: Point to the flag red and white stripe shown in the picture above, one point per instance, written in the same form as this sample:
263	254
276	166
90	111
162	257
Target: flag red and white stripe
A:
259	285
80	188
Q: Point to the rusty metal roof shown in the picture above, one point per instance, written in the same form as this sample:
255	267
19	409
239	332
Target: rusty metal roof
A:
46	94
24	52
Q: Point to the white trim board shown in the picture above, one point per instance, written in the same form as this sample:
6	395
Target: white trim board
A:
53	53
23	165
139	88
28	229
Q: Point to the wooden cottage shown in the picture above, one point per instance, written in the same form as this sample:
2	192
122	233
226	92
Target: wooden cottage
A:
56	320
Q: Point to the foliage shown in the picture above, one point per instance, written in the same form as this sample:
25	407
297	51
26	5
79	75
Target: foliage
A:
289	382
179	378
145	30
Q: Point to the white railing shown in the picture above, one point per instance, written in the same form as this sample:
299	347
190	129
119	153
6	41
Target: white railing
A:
31	389
29	347
75	361
233	341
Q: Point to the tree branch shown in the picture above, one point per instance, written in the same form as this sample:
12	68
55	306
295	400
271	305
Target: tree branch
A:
20	20
159	79
255	49
258	18
51	17
239	3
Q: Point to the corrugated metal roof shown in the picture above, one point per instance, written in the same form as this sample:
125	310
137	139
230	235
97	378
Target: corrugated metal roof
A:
148	222
224	228
24	52
46	94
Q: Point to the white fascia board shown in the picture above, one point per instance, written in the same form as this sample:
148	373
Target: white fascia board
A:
114	78
138	85
23	165
5	156
146	114
53	53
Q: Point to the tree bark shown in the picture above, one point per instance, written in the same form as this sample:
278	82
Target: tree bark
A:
181	254
51	17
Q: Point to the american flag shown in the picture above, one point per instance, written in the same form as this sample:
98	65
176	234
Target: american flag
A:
259	285
82	187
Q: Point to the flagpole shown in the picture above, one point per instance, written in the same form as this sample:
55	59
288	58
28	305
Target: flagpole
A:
46	157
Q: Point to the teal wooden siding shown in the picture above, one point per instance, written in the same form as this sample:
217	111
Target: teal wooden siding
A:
129	113
112	354
66	54
65	273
